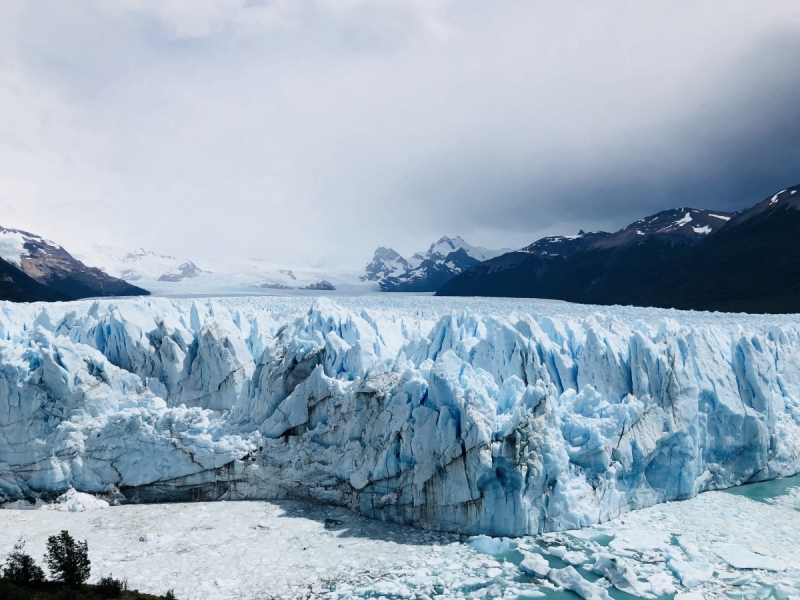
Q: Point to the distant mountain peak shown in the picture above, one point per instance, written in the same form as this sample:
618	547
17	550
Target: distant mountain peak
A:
138	264
425	270
186	270
385	263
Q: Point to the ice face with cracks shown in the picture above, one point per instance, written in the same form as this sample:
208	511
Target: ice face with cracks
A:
506	418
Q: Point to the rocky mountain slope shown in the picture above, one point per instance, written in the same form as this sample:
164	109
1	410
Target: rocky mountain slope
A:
35	269
683	258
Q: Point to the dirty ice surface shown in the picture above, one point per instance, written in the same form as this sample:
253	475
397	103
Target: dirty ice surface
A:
718	545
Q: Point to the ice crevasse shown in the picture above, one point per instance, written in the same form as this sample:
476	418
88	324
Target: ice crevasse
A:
504	422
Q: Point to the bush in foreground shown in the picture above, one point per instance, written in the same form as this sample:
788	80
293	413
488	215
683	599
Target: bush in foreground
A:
111	588
21	568
52	590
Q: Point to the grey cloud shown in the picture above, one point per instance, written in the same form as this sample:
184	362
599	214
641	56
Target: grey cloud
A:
312	129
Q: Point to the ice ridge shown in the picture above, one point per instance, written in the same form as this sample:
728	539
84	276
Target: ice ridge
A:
469	422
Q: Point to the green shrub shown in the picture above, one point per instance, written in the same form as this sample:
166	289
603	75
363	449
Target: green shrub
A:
21	568
109	587
67	559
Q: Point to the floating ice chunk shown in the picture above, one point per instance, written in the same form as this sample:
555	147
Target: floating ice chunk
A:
740	557
536	565
74	501
574	557
494	572
570	579
689	596
617	571
688	543
391	588
737	578
691	574
641	540
661	583
491	545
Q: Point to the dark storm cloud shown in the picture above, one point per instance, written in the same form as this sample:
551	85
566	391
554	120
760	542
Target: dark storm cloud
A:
321	129
739	144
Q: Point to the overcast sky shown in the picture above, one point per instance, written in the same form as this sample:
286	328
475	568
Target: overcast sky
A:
317	130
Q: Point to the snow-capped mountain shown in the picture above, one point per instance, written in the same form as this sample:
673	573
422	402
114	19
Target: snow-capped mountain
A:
34	268
139	264
186	270
680	258
171	276
564	245
675	225
425	271
445	246
386	263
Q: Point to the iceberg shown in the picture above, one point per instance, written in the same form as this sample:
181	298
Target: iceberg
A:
501	418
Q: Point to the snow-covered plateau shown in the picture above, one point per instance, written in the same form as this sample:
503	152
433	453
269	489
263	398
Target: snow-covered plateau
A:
495	417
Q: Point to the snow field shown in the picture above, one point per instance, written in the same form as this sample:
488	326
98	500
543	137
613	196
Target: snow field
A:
463	415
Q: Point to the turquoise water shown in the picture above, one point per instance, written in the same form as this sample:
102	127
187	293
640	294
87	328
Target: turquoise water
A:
766	490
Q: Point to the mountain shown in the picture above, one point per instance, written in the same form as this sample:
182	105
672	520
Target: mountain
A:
385	263
35	269
751	265
564	245
425	271
681	258
187	270
140	264
677	225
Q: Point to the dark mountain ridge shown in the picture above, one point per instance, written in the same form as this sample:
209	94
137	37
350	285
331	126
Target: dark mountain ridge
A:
682	258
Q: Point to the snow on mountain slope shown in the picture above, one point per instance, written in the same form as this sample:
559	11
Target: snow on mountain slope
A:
170	276
564	245
445	246
131	266
674	225
13	241
385	263
510	418
33	268
425	271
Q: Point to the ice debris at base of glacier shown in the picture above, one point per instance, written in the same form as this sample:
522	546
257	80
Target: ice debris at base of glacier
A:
495	417
289	549
73	501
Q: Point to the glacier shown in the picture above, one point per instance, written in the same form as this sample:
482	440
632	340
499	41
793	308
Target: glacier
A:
496	417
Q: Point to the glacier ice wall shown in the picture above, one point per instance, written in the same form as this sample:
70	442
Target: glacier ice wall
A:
502	420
